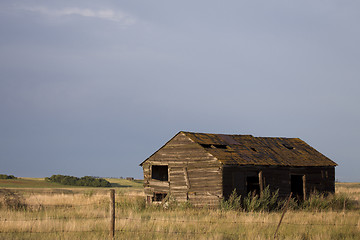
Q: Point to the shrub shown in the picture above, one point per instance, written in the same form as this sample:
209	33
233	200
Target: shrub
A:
232	203
267	201
75	181
4	176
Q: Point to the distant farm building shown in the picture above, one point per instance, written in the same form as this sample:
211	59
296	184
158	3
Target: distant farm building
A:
205	168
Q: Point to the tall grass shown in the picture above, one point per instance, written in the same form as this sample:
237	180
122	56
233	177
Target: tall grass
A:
334	202
85	215
12	200
270	201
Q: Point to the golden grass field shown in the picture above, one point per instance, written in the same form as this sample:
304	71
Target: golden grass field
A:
83	213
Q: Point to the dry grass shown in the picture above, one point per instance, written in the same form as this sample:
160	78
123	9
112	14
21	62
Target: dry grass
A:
350	189
84	214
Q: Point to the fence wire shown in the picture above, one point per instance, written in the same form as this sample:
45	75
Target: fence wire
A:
151	219
174	220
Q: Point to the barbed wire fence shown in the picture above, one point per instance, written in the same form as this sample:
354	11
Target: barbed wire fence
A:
113	219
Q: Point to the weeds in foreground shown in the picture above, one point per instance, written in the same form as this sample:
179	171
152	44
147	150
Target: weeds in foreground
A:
267	201
270	201
233	203
12	200
88	218
335	202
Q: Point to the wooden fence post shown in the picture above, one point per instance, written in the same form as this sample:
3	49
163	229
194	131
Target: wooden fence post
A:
112	213
282	216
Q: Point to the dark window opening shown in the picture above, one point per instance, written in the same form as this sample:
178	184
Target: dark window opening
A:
158	197
220	146
288	146
252	185
297	187
206	145
159	173
253	149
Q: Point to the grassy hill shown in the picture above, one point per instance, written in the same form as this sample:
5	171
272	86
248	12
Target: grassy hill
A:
41	183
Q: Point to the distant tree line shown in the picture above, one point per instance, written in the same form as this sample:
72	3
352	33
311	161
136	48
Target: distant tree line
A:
4	176
75	181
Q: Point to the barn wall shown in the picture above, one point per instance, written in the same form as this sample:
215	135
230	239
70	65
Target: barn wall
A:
194	174
321	179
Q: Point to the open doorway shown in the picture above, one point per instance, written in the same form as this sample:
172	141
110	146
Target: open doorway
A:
252	184
297	187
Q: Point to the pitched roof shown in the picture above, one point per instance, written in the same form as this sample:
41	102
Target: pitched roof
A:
249	150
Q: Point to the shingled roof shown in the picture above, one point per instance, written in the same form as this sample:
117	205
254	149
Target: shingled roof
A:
249	150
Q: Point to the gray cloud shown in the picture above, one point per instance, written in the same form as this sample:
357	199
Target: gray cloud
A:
105	14
85	85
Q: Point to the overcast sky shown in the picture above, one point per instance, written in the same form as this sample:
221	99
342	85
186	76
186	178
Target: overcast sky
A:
95	87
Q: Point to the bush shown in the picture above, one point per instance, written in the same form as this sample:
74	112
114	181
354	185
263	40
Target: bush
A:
4	176
268	201
75	181
232	203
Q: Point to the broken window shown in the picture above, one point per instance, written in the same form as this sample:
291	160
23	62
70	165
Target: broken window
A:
158	197
159	173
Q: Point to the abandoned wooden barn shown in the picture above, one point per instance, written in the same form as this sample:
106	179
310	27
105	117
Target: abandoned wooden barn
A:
205	168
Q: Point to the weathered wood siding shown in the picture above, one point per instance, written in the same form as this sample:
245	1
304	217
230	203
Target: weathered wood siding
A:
194	174
321	179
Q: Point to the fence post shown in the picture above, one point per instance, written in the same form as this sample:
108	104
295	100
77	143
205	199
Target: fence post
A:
282	216
112	213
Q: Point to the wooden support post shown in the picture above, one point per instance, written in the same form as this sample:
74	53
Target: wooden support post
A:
261	185
282	216
187	180
304	186
112	214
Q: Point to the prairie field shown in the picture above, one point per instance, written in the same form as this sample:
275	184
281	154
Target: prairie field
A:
58	212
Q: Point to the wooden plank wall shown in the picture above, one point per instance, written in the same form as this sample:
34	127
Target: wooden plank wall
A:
194	174
321	179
